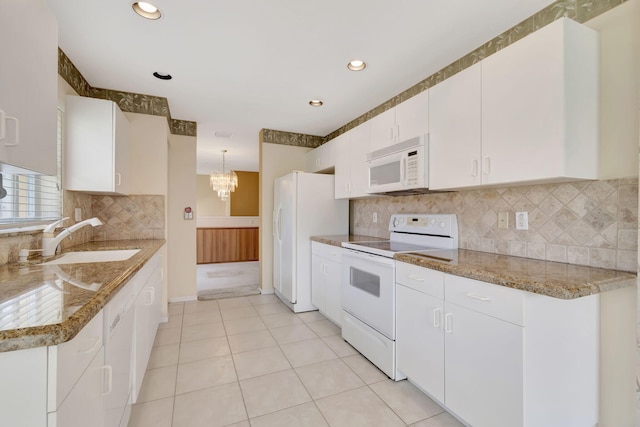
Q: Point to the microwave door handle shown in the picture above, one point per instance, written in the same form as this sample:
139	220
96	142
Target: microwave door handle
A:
403	170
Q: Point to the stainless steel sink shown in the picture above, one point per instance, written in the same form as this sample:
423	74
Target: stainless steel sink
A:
83	257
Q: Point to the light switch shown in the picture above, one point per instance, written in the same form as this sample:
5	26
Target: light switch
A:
522	220
375	217
78	214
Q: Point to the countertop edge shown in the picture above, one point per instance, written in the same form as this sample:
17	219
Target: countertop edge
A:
541	287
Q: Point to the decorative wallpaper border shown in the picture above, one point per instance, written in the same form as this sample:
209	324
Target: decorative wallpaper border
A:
578	10
127	101
290	138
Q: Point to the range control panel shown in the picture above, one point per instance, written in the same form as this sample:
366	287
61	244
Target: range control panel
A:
433	224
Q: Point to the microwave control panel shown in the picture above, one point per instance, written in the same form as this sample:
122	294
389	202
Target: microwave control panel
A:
412	167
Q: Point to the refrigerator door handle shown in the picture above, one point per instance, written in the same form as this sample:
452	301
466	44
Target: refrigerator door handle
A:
280	224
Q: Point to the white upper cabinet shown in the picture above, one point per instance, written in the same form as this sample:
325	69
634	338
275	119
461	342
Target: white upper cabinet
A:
359	146
28	86
526	114
412	117
455	131
343	165
405	121
322	158
540	107
351	162
97	146
382	130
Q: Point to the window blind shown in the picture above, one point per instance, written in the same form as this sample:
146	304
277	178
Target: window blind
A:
29	198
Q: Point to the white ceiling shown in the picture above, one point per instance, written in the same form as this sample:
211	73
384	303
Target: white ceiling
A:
242	65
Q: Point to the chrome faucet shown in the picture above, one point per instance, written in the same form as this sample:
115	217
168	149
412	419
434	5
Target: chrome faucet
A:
50	242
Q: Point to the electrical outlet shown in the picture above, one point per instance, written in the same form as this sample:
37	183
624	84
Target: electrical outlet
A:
503	220
78	214
375	217
522	220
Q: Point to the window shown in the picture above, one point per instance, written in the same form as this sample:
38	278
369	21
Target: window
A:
30	198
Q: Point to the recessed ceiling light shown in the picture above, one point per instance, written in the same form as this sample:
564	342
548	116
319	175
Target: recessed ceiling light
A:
146	10
316	103
162	76
357	65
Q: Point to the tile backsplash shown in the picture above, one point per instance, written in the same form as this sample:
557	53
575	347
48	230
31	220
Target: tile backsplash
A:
129	217
124	218
588	222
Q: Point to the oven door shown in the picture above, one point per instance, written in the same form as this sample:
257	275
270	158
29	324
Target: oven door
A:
368	290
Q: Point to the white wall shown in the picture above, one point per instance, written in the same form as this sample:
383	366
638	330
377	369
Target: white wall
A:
619	31
208	202
275	160
227	221
181	233
149	153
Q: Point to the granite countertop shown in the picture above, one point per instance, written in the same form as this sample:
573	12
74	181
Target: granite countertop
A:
554	279
40	307
338	239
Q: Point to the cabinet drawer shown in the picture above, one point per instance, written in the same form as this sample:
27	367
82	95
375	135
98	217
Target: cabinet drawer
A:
67	361
420	279
494	300
317	248
330	252
333	253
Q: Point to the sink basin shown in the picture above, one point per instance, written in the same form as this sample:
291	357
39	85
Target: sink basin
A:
93	256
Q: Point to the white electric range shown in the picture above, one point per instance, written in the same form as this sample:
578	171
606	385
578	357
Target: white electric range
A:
368	282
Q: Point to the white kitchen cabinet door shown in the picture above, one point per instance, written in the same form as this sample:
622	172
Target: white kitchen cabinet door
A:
321	158
352	170
358	149
484	368
342	170
401	123
455	131
97	147
84	406
317	279
326	279
147	318
420	340
382	130
540	107
333	285
28	85
412	117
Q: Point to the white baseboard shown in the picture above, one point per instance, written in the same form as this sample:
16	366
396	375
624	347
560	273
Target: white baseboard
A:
183	299
267	291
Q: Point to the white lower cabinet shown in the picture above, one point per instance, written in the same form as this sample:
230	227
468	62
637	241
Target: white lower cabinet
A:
85	404
88	380
420	340
483	365
148	311
496	356
326	267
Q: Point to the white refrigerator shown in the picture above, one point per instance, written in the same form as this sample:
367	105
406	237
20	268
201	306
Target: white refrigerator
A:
304	205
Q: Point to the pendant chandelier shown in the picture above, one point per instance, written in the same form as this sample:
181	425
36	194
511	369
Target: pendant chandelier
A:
223	182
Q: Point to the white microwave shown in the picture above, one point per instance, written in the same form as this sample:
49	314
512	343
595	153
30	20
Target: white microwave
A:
400	168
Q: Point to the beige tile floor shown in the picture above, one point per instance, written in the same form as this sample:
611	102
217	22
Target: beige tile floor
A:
250	361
